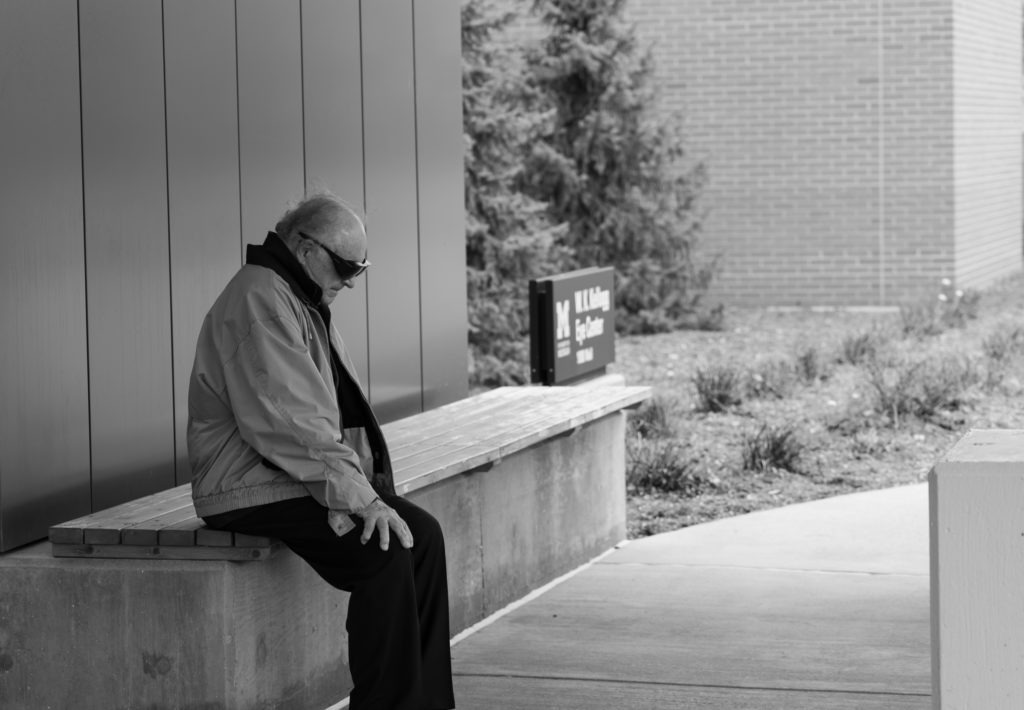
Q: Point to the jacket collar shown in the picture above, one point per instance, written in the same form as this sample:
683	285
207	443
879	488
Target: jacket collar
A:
274	254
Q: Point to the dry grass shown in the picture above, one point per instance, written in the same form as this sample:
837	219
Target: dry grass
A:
846	435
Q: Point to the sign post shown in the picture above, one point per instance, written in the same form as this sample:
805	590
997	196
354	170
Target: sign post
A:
572	325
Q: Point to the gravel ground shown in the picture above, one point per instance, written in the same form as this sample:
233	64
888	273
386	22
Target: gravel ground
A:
844	444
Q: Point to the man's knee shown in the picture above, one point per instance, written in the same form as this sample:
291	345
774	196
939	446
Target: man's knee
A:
430	538
421	523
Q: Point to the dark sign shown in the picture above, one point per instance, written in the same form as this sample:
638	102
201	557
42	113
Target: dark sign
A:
572	325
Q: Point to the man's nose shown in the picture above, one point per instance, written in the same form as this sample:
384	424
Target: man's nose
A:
349	283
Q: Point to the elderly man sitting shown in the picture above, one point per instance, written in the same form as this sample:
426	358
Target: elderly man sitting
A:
283	443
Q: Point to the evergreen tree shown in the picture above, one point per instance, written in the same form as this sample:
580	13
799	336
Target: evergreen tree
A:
610	169
509	238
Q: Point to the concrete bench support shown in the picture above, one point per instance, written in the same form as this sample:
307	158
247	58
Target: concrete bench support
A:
532	517
161	634
977	572
157	634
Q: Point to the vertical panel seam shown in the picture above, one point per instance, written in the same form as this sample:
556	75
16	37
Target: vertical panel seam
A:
302	97
170	255
362	136
419	215
238	138
85	251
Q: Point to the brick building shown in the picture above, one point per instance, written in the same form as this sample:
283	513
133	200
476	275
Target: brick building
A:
859	150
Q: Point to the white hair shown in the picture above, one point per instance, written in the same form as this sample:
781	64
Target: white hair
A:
317	213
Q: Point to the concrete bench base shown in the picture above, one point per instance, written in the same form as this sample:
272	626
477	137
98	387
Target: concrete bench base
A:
161	634
207	634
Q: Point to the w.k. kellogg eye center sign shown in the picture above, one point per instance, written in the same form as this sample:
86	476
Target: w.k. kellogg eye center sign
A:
572	325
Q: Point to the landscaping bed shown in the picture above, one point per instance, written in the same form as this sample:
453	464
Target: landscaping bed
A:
784	406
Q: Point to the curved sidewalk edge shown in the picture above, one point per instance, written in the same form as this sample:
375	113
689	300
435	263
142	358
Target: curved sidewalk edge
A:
816	605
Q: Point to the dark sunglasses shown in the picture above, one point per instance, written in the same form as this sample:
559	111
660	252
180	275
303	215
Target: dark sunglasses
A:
346	268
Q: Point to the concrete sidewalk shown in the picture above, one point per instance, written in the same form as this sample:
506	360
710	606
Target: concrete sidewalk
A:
821	606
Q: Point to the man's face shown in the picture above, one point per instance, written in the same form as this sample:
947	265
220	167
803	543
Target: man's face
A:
313	254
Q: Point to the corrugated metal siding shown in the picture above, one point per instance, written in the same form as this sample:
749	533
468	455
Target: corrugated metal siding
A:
127	208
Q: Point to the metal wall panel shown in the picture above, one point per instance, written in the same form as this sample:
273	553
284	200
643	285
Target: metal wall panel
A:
128	290
440	175
44	399
125	217
202	176
269	112
390	143
332	88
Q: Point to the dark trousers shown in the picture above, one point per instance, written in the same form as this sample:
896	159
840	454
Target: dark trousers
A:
397	624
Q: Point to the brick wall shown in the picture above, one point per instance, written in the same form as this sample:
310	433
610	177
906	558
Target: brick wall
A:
859	150
827	129
987	138
914	50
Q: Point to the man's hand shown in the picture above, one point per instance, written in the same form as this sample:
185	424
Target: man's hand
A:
384	518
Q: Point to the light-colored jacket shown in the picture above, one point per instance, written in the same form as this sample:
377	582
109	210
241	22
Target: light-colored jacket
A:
264	422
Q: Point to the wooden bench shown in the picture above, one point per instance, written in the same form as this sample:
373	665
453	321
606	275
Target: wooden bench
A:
142	606
426	448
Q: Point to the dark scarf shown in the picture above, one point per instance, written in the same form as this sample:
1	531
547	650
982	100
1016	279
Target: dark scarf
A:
274	254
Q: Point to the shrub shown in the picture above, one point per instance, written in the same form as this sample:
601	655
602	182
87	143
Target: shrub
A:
919	320
921	388
809	365
710	319
772	447
951	309
1001	349
777	378
652	420
944	388
1004	344
663	465
856	349
956	307
718	388
868	442
856	416
771	378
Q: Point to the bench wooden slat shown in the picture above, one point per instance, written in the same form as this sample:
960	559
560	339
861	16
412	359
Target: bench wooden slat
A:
443	431
243	540
492	398
146	532
106	529
209	537
240	554
473	407
435	425
494	423
181	533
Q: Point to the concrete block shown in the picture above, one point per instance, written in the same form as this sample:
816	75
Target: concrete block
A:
156	635
550	508
454	502
977	572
